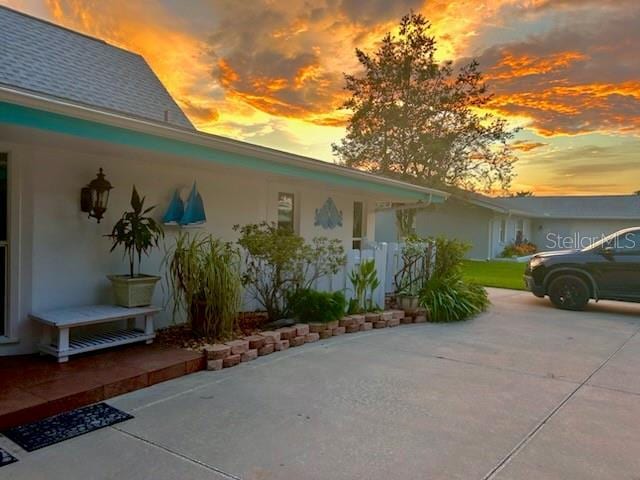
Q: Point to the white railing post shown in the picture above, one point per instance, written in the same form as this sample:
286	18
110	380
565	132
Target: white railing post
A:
380	258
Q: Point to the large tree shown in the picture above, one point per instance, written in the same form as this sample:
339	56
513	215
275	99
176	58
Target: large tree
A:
422	121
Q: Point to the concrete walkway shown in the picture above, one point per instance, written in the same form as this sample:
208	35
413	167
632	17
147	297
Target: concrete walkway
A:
523	391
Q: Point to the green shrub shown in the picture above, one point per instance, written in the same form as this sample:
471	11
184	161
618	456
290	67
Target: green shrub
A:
450	254
364	280
519	250
451	299
279	262
203	276
446	295
312	306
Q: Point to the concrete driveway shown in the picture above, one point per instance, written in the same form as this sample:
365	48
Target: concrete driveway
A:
523	391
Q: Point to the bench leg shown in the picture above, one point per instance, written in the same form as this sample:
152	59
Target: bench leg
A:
148	327
63	343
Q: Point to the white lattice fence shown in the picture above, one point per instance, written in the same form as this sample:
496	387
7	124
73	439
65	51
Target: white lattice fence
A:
388	261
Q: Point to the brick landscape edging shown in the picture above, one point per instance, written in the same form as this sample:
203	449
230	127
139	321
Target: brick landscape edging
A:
234	352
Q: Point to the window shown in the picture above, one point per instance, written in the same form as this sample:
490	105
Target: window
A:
503	230
627	243
358	224
286	211
4	246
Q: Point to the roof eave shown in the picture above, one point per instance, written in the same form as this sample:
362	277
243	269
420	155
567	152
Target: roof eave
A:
212	141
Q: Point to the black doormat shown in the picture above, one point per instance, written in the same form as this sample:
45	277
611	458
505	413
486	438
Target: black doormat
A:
6	458
64	426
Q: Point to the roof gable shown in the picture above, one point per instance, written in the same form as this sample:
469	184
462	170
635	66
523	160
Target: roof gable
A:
38	56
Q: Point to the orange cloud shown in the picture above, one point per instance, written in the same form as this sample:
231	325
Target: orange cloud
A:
526	146
572	109
512	65
228	76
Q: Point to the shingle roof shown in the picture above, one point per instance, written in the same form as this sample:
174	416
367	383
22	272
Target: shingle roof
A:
41	57
587	207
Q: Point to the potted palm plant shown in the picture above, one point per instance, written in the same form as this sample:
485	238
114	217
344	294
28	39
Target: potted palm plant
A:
137	233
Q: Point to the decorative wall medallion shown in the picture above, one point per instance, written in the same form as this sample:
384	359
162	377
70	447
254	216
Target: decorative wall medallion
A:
328	217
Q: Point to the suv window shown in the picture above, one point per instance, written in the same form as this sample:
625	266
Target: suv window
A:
628	242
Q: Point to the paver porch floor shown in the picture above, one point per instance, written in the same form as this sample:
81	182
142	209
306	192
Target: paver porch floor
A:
33	387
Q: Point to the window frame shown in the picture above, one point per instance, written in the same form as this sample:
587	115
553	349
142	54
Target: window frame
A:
363	218
502	231
628	251
280	193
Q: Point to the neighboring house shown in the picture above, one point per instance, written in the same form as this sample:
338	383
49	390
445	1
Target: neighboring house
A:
478	220
576	221
489	224
71	104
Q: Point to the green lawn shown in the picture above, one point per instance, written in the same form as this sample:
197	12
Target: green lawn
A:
495	274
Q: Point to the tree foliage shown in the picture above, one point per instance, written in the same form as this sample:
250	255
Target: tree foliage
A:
422	121
522	193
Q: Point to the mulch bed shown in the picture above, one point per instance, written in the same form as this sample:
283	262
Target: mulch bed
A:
182	336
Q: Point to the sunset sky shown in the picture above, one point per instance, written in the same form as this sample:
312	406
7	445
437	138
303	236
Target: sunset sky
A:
270	72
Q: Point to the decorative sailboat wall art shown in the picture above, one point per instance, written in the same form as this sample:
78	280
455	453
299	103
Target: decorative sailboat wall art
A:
194	209
174	213
189	214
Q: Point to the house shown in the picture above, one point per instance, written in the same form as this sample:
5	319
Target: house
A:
70	105
575	221
490	224
486	225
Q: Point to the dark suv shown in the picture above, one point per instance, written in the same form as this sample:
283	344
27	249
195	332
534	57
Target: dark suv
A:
606	270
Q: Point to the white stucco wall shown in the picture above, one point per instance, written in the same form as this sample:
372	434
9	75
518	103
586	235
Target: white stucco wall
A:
511	222
480	227
386	230
61	258
467	223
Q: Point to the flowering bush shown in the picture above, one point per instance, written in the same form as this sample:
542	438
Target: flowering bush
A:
519	250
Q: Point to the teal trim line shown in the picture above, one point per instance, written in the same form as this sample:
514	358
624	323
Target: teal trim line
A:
54	122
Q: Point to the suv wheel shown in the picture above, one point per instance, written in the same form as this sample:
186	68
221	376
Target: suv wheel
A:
569	292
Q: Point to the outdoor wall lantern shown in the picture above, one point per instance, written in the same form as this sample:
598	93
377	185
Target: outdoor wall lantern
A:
95	196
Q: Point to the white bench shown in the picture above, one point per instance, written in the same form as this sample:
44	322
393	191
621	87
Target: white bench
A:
57	323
